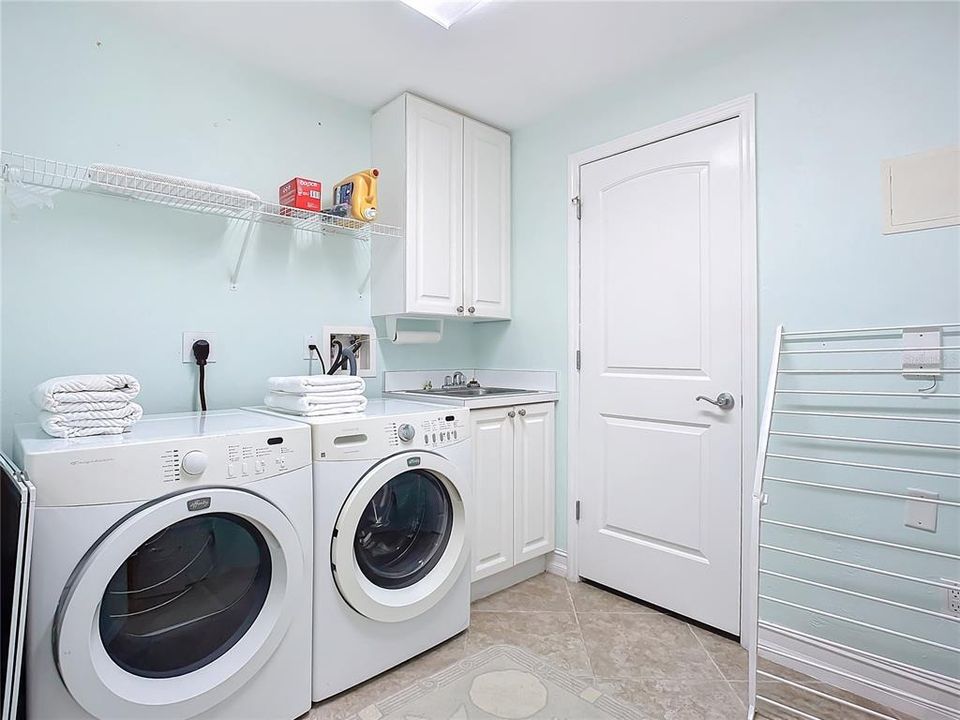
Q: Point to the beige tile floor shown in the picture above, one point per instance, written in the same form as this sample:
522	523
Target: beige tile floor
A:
666	668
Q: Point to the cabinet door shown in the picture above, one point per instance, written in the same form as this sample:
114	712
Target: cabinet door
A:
492	518
434	220
534	505
486	221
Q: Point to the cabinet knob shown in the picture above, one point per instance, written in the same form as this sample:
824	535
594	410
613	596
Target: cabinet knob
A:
522	412
511	414
459	308
471	309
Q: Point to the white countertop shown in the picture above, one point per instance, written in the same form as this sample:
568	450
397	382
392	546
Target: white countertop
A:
541	386
480	401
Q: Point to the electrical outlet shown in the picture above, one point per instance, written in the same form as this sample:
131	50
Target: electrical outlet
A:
190	337
953	597
309	354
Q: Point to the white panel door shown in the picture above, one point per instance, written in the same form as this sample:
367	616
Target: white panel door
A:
491	529
434	221
660	325
486	221
534	504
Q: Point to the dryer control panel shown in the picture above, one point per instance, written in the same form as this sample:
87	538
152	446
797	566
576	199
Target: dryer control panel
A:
376	437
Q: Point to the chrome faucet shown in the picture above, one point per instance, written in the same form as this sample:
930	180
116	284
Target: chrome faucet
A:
453	382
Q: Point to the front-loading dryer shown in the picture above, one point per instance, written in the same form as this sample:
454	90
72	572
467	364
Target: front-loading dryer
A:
171	570
391	502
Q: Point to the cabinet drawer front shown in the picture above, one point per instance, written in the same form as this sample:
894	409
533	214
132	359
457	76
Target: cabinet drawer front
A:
434	208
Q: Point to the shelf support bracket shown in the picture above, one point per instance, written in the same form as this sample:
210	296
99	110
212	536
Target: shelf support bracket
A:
251	226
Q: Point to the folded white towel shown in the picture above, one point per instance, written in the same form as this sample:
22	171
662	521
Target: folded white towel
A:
316	384
79	393
313	405
132	181
90	422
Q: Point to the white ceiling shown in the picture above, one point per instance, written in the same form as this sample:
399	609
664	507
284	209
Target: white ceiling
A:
507	63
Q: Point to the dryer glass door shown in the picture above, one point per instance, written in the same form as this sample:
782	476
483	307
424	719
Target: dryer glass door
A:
179	604
185	596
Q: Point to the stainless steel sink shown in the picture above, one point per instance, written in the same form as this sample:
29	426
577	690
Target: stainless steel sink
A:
468	392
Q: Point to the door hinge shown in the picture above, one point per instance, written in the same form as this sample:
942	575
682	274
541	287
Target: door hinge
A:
578	361
578	205
577	511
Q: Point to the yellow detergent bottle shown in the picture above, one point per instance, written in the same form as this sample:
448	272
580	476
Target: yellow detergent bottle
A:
357	194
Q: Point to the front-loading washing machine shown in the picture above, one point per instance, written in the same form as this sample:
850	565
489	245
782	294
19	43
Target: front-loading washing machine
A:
171	573
391	502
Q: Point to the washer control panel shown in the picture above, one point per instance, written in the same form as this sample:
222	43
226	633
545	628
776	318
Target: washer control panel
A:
377	437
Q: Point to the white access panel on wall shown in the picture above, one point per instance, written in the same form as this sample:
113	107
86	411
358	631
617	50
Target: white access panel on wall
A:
921	191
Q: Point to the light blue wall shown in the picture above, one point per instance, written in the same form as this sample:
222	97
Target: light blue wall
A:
100	284
838	88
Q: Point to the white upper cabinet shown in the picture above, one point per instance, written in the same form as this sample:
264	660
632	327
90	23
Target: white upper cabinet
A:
486	220
444	179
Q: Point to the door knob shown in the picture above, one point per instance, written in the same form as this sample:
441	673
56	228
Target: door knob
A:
460	308
724	401
511	414
522	412
471	309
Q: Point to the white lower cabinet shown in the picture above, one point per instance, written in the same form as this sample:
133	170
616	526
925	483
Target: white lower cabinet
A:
513	485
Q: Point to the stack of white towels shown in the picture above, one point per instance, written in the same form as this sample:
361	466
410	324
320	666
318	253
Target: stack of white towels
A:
313	395
85	405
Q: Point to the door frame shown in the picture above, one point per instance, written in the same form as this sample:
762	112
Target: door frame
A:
742	108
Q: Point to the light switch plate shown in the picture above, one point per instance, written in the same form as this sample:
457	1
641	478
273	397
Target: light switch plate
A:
922	363
921	515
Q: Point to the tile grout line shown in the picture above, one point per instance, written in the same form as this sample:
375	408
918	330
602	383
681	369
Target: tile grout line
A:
712	660
576	617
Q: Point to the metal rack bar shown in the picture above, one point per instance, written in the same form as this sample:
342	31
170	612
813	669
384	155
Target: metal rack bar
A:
872	393
869	371
863	491
848	331
856	566
870	541
861	623
836	351
867	466
867	441
812	691
869	416
862	596
800	713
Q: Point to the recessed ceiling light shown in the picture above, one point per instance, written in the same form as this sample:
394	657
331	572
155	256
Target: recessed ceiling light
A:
444	12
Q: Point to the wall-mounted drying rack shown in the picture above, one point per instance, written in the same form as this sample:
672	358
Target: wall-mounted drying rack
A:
855	548
207	199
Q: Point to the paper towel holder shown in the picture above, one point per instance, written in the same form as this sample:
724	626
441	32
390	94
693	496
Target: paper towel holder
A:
409	336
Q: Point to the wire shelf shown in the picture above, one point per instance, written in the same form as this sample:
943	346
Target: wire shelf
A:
179	193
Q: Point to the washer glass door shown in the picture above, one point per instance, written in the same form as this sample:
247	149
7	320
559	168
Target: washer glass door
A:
404	530
400	541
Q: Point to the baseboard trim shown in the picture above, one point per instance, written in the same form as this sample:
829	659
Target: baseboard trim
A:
557	563
491	584
925	696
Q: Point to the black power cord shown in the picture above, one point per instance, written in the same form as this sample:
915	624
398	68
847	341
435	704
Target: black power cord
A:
201	351
323	367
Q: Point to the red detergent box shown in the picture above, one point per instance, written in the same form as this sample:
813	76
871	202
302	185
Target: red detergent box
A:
301	193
